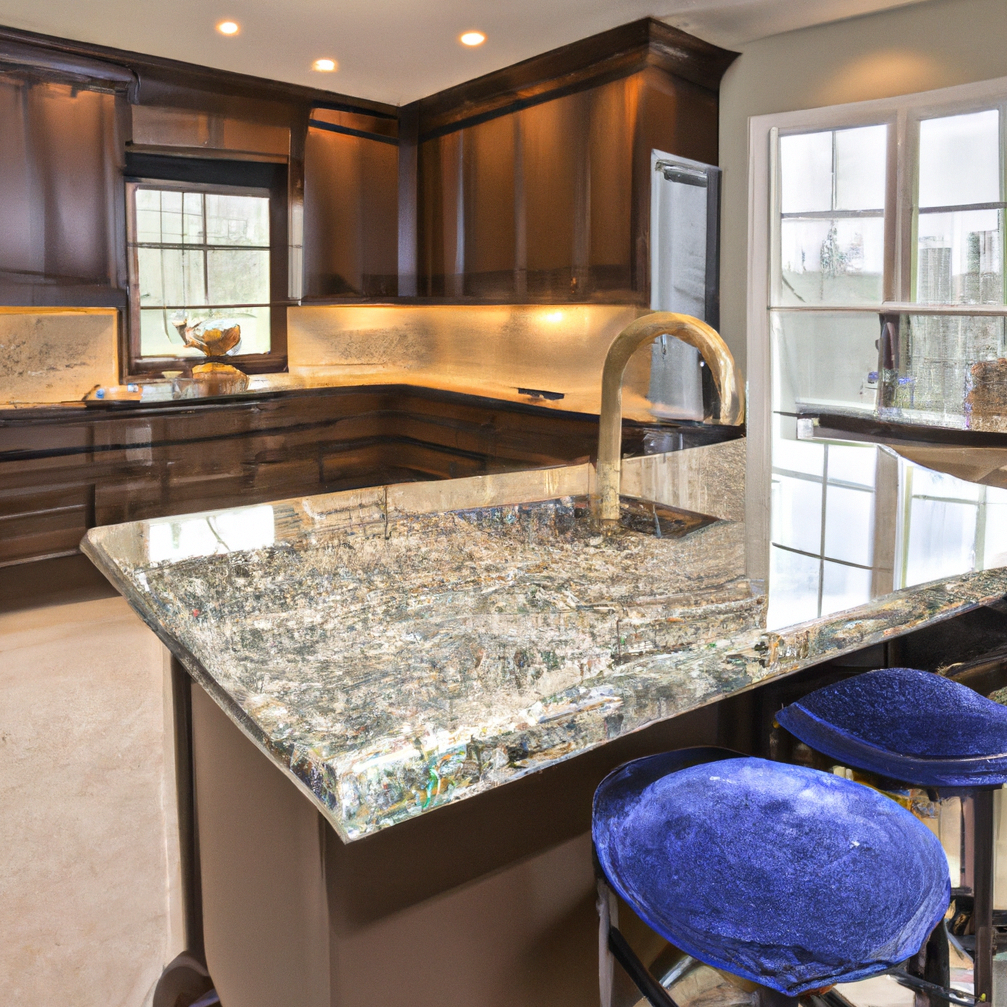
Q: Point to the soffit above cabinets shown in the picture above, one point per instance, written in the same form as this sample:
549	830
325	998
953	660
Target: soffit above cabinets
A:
396	51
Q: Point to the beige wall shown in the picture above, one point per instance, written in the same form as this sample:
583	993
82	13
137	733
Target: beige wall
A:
914	48
90	907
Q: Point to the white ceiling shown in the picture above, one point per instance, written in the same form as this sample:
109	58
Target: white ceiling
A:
396	50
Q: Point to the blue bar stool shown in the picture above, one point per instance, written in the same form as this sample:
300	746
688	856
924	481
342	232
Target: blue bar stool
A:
920	729
788	877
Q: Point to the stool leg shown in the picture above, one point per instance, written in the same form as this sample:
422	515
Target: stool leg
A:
937	967
982	805
608	917
772	998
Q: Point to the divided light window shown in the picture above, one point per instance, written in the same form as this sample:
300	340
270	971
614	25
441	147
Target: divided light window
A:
881	303
199	254
886	296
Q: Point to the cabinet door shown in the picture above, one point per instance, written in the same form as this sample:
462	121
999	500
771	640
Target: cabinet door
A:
350	215
550	203
60	194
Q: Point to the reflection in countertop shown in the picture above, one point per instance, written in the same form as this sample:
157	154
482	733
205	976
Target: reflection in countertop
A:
854	520
399	648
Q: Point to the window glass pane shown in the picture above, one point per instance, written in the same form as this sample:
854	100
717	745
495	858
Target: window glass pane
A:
941	539
929	483
825	359
171	216
238	276
849	524
794	455
960	159
182	274
148	215
793	588
935	373
849	463
185	280
237	220
149	276
797	513
861	156
832	261
959	258
844	587
192	220
159	337
995	545
806	172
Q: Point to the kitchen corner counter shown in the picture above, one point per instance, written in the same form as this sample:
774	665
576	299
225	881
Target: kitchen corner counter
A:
399	648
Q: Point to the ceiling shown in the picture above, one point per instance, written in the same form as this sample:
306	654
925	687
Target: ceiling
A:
396	50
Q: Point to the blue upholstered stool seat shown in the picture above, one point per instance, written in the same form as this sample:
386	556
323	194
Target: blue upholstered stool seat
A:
786	876
908	725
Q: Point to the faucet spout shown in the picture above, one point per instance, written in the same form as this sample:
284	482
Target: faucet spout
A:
639	333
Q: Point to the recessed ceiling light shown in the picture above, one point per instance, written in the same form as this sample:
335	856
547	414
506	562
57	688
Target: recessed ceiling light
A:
325	65
228	27
472	38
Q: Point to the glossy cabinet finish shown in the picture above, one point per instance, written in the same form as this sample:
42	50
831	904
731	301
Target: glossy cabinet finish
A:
541	192
63	471
527	184
351	218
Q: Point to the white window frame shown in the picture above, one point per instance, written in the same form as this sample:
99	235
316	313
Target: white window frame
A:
903	113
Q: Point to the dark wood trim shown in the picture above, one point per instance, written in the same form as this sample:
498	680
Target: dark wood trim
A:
342	106
250	363
152	73
870	428
585	63
408	202
349	131
22	53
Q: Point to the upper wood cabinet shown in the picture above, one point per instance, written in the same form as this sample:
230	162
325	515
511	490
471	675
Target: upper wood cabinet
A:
533	183
351	203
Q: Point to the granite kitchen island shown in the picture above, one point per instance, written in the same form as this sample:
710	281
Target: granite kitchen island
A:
398	650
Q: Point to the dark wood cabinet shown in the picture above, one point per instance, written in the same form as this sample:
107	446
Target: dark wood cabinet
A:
528	184
533	183
351	178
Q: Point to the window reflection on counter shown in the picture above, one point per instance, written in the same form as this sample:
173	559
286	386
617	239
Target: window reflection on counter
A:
951	526
206	535
851	522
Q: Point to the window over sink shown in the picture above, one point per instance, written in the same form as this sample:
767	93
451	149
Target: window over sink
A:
203	265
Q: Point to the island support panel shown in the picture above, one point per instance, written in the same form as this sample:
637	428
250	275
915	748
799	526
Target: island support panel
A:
486	902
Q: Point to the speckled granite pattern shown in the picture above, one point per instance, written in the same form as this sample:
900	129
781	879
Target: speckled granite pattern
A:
394	662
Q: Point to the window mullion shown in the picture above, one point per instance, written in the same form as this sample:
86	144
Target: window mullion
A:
206	254
908	136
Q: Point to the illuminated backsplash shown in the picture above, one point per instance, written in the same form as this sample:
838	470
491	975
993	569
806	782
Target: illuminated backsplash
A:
56	354
544	354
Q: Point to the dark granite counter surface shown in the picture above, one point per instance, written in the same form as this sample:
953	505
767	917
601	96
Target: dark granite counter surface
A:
399	648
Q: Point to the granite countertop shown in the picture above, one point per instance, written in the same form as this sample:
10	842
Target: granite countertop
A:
399	648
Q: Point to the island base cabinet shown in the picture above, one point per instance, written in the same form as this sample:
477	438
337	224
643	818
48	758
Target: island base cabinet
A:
485	903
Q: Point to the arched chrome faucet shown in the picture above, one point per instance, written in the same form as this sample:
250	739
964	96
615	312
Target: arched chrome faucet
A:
639	333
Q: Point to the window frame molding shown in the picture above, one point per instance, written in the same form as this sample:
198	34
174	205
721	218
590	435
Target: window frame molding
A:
904	112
